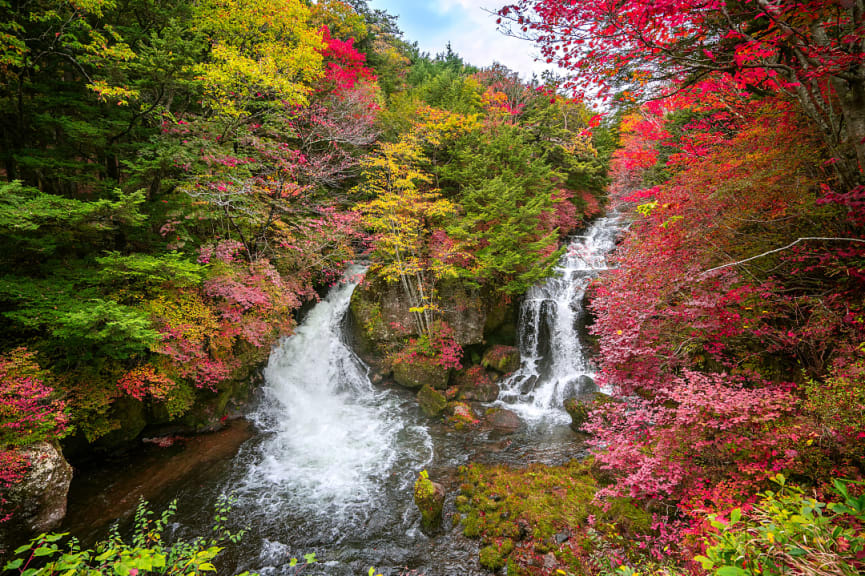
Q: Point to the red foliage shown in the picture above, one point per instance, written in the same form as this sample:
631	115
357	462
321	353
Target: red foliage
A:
13	467
707	365
809	49
145	381
441	347
29	409
29	413
344	65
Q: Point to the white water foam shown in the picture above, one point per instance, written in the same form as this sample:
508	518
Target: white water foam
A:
554	365
333	440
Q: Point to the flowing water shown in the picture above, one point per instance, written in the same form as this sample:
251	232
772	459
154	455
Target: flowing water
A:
332	459
554	366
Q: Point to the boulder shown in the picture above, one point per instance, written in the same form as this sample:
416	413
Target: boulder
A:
419	372
381	313
502	359
464	311
586	384
503	420
486	391
429	497
579	407
528	384
476	385
431	401
461	415
38	501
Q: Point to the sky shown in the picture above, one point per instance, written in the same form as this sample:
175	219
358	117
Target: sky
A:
470	30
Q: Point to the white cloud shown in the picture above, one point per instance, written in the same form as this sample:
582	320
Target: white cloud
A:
472	32
477	39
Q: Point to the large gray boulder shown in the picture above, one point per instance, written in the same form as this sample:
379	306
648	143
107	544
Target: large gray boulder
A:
38	501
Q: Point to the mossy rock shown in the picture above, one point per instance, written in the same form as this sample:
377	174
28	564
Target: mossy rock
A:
461	415
429	497
370	327
421	371
130	418
476	385
431	401
579	407
502	359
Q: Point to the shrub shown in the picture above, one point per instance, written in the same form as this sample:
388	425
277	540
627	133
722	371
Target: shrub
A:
147	551
789	533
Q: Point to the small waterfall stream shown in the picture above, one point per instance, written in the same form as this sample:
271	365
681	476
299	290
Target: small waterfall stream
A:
554	366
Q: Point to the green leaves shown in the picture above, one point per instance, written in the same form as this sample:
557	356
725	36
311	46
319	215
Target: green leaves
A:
149	271
784	530
103	327
148	552
26	209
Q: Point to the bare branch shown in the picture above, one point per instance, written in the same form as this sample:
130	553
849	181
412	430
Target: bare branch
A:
788	246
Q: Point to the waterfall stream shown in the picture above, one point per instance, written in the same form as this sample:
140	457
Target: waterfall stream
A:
554	366
332	459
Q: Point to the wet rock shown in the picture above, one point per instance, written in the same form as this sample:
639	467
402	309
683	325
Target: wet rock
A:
421	372
562	537
502	359
503	420
431	401
429	497
485	392
38	501
579	407
586	385
461	415
476	385
528	384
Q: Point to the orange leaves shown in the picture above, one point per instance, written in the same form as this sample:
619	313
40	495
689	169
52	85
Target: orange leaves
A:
144	381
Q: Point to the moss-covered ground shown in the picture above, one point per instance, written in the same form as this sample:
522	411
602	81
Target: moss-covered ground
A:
543	520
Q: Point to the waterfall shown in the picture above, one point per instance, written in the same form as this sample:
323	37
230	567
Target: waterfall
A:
554	365
333	445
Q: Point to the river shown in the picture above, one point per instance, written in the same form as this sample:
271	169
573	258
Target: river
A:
328	461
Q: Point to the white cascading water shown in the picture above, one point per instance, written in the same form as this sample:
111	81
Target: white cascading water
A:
333	440
554	366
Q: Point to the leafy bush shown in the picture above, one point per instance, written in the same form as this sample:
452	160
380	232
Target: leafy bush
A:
789	533
147	552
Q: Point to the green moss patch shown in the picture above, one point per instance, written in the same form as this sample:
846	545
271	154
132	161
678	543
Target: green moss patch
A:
536	520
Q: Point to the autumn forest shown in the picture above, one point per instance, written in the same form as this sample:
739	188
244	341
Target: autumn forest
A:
283	293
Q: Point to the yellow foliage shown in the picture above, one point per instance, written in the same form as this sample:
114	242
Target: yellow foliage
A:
184	311
261	51
436	127
399	209
342	20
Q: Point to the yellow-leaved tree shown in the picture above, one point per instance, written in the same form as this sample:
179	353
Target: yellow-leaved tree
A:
264	54
403	210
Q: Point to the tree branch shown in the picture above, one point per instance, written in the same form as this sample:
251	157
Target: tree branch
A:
790	245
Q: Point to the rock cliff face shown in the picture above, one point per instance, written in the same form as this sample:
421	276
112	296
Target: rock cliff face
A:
381	314
38	501
483	323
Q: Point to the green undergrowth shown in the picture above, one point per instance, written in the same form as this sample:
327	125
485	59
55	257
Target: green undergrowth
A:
543	519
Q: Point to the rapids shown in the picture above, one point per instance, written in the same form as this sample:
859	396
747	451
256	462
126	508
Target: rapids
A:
332	459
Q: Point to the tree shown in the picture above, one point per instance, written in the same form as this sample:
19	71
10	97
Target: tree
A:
811	49
403	208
